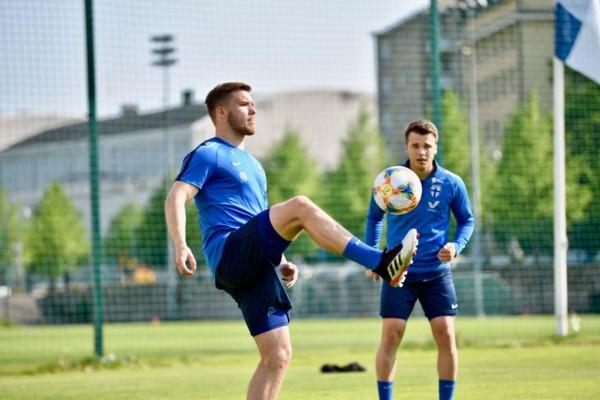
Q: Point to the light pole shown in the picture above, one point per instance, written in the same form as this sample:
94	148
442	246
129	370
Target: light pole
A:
469	51
164	51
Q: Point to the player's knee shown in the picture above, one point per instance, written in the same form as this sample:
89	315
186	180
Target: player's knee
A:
302	202
286	356
302	205
445	338
391	338
279	358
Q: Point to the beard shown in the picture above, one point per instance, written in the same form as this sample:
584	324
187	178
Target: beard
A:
240	126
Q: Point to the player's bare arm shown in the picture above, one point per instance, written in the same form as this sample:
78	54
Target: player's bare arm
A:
181	193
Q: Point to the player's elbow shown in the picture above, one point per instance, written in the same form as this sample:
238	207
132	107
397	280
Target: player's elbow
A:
466	223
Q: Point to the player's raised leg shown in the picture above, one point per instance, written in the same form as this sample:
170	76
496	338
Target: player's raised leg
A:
289	218
299	213
275	350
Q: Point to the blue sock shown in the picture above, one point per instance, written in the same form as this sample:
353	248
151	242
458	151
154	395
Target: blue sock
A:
385	390
362	253
446	389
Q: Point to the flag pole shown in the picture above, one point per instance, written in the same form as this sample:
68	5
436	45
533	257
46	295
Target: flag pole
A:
560	217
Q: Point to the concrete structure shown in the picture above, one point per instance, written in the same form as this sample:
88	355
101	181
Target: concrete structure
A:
16	127
135	149
132	158
513	50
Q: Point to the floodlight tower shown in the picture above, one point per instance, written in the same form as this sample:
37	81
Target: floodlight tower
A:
164	52
469	8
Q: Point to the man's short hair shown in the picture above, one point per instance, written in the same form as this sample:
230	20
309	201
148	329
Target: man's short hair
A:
220	93
421	127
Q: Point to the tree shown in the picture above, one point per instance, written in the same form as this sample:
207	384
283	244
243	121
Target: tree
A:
56	242
291	171
120	243
345	191
522	201
582	124
151	233
456	139
10	235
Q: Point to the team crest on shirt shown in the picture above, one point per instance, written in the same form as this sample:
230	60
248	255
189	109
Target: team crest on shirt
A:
243	176
436	187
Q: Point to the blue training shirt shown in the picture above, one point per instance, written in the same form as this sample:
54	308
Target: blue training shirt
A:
232	190
443	192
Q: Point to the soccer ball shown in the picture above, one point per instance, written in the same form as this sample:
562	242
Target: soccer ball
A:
397	190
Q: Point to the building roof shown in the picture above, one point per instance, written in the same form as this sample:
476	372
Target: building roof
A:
444	6
401	21
17	127
128	122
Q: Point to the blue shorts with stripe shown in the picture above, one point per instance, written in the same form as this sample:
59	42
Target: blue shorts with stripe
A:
247	273
434	290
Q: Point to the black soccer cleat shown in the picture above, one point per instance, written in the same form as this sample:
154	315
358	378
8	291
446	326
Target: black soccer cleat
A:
394	263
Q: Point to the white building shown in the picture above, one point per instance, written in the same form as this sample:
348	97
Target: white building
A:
16	127
132	158
134	148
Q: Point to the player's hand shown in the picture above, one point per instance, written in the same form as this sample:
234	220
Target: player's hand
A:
185	261
289	273
447	253
372	275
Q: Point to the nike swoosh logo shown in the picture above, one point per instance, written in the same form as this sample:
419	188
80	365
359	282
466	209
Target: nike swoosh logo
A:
454	306
236	163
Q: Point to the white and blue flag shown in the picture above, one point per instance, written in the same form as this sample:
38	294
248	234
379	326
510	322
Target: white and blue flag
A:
577	36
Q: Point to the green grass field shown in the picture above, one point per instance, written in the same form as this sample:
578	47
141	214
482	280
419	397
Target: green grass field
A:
500	358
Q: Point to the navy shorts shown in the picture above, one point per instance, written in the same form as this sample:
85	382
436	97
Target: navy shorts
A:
434	290
246	272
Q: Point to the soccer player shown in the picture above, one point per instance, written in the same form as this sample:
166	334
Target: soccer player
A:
429	278
244	240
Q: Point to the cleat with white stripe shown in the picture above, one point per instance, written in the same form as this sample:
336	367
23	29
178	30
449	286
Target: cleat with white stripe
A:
395	262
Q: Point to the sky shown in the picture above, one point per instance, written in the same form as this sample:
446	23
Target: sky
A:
275	45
